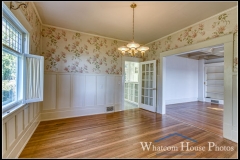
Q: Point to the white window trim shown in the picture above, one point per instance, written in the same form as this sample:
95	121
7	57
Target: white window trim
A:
25	54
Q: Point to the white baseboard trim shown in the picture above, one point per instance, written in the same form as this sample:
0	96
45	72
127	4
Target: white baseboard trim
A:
209	100
118	108
182	100
17	150
76	113
201	100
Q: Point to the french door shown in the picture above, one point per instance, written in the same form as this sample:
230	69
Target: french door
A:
148	85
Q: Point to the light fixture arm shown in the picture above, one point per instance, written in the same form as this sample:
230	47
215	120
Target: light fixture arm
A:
12	6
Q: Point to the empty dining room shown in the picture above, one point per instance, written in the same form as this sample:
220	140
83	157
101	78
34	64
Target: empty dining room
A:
119	79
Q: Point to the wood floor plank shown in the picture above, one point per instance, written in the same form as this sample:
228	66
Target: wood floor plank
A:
118	135
203	115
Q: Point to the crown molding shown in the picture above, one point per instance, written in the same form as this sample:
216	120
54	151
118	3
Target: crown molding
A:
47	25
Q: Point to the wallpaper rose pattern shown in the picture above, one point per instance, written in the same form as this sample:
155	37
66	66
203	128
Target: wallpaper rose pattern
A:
67	51
219	25
35	35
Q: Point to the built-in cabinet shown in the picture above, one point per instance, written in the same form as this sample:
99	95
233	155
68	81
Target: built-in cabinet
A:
214	82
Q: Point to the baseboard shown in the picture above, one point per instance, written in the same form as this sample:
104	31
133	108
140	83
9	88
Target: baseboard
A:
210	100
118	108
201	100
182	100
16	151
76	113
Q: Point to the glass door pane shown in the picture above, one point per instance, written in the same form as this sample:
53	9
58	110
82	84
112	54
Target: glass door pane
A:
151	67
147	67
148	85
143	68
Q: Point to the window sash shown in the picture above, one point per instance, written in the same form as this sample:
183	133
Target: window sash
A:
18	96
13	46
13	36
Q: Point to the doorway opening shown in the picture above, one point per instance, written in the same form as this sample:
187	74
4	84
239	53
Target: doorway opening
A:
131	85
195	88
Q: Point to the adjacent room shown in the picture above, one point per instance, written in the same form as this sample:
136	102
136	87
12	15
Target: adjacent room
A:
195	88
119	79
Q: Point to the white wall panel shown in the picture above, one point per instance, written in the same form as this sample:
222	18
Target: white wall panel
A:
78	90
14	135
30	112
19	121
63	91
101	85
118	89
49	99
110	90
35	105
25	113
90	96
235	103
11	132
37	108
3	138
201	80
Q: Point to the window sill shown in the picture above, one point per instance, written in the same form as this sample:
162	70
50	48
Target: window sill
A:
12	110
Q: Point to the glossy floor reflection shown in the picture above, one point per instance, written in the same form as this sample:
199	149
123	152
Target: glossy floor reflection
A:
119	135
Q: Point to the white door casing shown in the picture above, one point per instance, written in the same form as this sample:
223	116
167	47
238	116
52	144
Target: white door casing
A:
228	42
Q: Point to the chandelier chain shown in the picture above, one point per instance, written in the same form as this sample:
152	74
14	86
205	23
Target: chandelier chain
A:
133	23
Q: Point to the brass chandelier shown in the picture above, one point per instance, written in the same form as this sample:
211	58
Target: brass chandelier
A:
133	47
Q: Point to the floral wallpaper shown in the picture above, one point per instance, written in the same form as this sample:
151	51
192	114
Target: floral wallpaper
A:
35	35
67	51
219	25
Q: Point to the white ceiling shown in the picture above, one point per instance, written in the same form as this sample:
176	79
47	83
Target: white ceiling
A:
113	19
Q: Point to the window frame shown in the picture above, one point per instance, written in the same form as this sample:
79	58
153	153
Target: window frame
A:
8	15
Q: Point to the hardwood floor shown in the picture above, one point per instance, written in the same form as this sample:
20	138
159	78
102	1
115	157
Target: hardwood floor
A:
203	115
118	135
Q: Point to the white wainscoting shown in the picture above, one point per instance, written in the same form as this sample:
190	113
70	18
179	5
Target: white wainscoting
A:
78	91
235	108
74	94
49	98
17	128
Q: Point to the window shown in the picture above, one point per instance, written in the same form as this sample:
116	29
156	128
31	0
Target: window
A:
22	73
12	57
11	36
